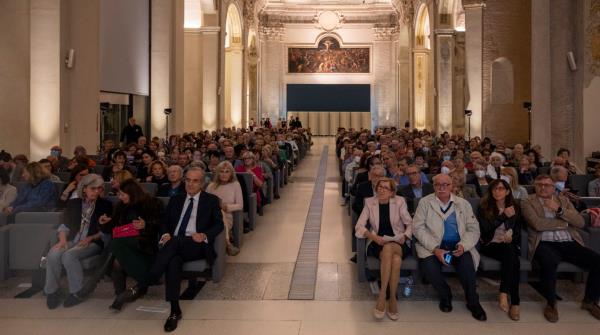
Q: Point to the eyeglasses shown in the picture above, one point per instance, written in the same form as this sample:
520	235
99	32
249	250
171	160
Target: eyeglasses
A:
383	188
444	185
412	173
543	185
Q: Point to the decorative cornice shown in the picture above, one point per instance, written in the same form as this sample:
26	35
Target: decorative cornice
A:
473	3
385	33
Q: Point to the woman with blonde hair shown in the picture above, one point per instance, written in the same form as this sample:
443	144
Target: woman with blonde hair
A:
391	227
509	174
226	186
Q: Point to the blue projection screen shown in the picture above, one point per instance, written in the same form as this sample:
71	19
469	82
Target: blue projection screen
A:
329	98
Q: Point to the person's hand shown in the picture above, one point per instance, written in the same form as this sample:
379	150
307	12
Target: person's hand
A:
85	242
72	185
8	210
224	207
439	253
139	223
199	237
508	236
149	178
117	167
164	239
61	245
104	219
509	211
401	240
460	250
552	204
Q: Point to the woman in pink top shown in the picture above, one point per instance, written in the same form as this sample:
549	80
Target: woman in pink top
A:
228	189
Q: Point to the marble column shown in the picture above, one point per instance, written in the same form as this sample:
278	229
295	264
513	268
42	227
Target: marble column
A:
474	61
160	65
44	86
384	102
272	68
541	76
444	68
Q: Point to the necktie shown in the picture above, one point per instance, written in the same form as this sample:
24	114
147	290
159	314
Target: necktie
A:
186	218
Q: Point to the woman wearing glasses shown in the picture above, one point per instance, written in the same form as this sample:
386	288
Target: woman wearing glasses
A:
226	186
78	238
500	226
391	227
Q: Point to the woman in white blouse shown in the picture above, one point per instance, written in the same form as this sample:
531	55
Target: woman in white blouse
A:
228	189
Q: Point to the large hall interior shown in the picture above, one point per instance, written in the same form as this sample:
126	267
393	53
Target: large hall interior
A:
345	166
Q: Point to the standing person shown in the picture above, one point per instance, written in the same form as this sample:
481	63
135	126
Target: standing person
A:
188	233
131	132
390	228
500	224
447	232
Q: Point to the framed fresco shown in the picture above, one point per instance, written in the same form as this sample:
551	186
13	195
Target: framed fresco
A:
328	57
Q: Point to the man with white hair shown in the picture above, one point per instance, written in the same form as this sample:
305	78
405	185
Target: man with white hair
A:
175	185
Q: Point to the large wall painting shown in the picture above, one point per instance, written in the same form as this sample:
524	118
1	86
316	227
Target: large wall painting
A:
328	57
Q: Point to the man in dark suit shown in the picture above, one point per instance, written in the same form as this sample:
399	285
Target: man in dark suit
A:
416	189
365	189
188	233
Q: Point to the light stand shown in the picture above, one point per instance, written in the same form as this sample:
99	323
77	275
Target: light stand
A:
167	112
468	114
527	106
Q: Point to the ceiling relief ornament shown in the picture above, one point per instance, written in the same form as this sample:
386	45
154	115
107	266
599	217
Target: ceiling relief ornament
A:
328	20
592	48
406	11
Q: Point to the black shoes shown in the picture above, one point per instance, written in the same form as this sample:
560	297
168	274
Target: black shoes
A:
477	312
446	305
72	300
171	323
129	295
53	299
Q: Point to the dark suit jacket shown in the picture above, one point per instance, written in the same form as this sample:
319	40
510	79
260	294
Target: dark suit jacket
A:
73	217
363	190
209	219
408	194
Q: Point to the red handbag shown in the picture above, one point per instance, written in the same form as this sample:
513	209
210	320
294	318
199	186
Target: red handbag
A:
127	230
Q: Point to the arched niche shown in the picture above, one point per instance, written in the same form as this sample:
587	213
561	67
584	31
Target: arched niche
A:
233	67
422	84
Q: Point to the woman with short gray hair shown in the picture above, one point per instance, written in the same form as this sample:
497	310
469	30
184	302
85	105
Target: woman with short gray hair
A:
78	238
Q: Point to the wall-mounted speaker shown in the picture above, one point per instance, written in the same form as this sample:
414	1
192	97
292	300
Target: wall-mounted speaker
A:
571	59
70	58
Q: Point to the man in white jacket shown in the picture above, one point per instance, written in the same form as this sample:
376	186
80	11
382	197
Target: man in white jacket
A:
447	231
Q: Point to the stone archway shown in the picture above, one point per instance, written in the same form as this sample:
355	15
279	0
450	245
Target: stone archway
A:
422	89
233	68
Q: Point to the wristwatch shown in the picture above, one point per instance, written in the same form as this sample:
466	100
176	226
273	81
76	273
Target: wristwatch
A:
560	211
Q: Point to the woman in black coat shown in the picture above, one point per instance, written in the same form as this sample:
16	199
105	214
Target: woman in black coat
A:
500	226
134	251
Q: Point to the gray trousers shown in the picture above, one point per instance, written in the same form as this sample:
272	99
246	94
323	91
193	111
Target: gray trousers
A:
70	260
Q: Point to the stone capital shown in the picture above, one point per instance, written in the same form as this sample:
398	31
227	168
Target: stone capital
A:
272	33
385	33
473	3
